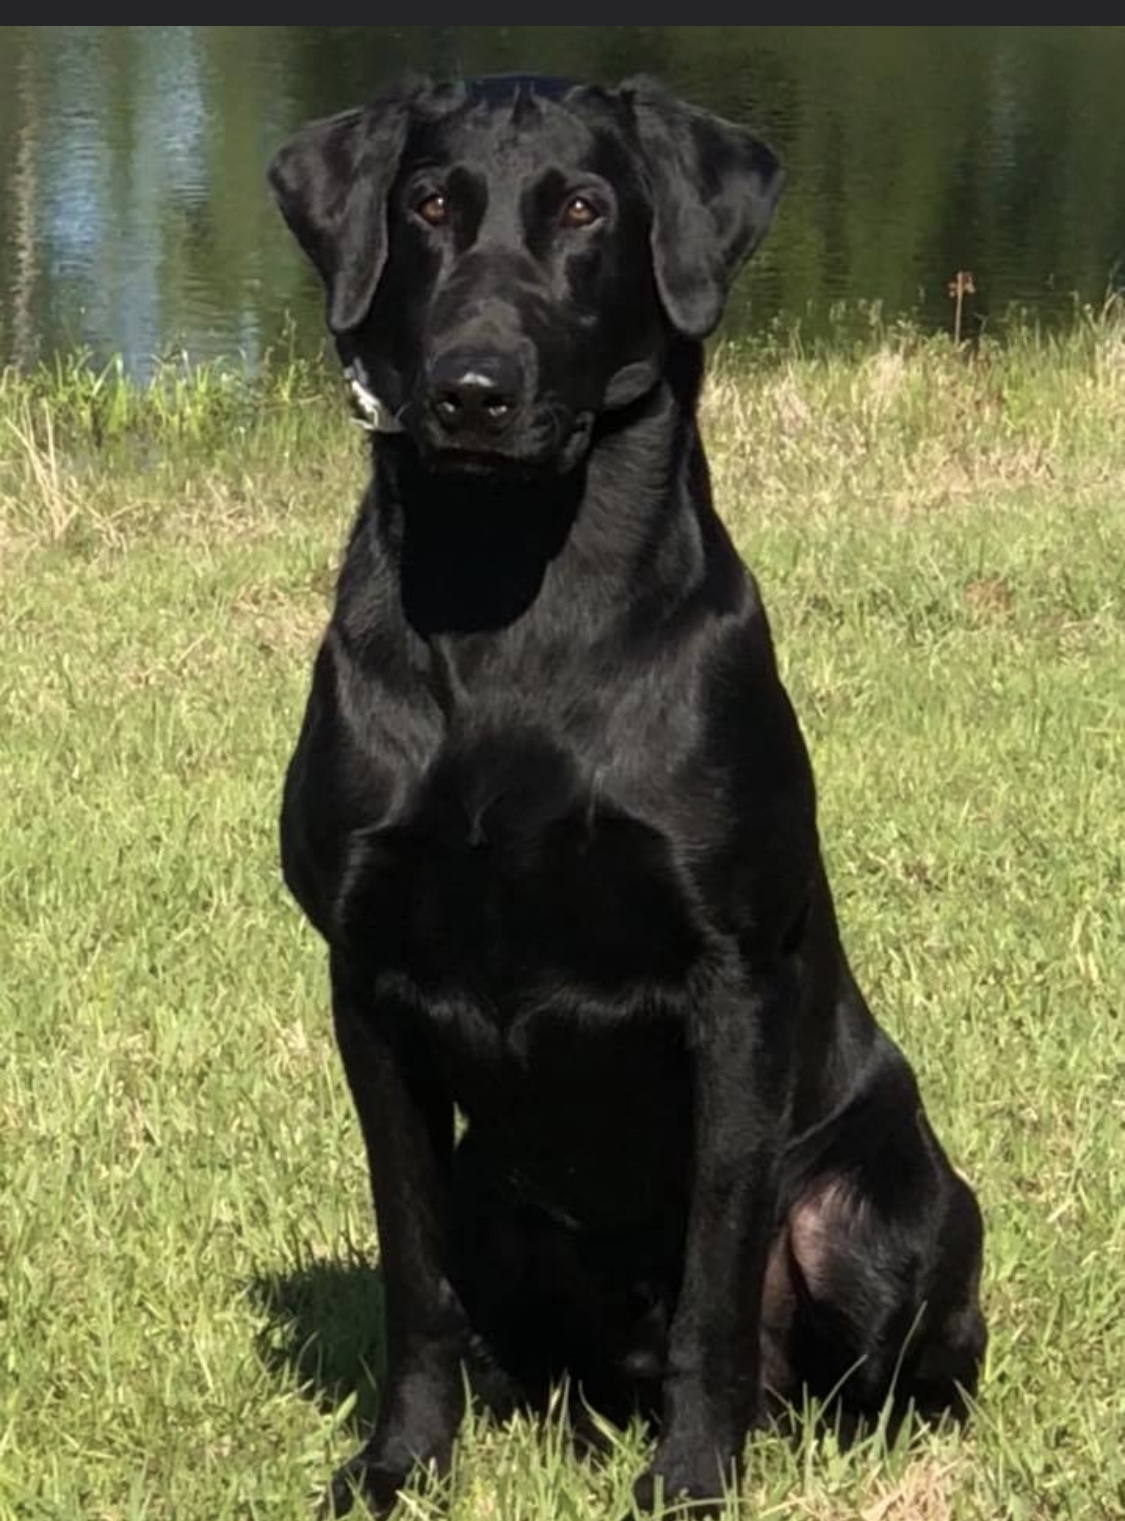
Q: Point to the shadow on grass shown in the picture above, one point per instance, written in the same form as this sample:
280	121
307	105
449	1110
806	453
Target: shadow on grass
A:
324	1331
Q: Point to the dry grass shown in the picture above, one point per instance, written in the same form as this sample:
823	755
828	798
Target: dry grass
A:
902	424
914	424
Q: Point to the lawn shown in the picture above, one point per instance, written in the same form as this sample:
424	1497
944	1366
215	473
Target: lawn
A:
189	1317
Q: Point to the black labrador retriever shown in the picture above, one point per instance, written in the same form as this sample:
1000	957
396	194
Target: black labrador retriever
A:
552	812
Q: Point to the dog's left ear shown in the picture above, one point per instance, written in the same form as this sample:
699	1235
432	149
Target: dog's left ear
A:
331	181
714	188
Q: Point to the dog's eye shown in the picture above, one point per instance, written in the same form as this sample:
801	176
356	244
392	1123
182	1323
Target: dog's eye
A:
579	212
433	209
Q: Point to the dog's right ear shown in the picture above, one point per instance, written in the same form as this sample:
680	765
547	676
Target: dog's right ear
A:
331	180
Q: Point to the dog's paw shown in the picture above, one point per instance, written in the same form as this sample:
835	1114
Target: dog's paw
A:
696	1488
377	1484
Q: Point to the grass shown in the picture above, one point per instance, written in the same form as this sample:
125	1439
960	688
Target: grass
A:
189	1315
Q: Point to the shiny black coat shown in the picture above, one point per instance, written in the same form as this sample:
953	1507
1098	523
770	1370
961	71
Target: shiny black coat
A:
552	812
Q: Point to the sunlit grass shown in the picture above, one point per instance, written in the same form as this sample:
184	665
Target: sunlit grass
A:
189	1324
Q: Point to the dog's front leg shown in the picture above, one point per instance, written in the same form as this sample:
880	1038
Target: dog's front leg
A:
407	1123
740	1078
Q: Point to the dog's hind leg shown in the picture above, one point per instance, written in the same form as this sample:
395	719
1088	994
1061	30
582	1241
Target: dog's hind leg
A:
881	1248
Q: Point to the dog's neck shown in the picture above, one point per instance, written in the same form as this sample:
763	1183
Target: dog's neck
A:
473	554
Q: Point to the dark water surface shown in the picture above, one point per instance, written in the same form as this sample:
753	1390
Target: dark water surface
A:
134	216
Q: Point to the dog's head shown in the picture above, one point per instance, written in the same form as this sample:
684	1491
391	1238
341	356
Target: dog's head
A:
507	259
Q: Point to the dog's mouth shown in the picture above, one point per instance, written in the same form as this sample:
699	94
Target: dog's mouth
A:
551	446
482	464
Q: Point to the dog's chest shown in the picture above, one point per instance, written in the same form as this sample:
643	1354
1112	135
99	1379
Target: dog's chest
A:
512	879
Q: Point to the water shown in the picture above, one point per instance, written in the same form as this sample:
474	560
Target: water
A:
134	216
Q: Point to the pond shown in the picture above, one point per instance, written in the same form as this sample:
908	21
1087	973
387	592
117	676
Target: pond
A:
135	220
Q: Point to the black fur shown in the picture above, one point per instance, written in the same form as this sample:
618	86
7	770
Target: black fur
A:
552	812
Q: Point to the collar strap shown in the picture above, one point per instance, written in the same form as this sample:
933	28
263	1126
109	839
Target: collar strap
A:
374	415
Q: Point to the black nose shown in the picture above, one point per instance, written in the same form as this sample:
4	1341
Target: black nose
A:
475	392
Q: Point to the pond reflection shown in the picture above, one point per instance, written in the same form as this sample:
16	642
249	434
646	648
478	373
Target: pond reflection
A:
134	216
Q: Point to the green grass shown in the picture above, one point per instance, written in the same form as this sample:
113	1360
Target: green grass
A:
188	1319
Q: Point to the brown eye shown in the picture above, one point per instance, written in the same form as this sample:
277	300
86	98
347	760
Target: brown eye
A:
434	210
579	212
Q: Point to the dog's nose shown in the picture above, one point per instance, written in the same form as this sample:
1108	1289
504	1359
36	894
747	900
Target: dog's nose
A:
475	392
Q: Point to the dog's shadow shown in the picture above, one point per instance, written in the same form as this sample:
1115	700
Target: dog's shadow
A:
324	1330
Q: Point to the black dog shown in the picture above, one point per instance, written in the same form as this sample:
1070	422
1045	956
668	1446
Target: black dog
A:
552	812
